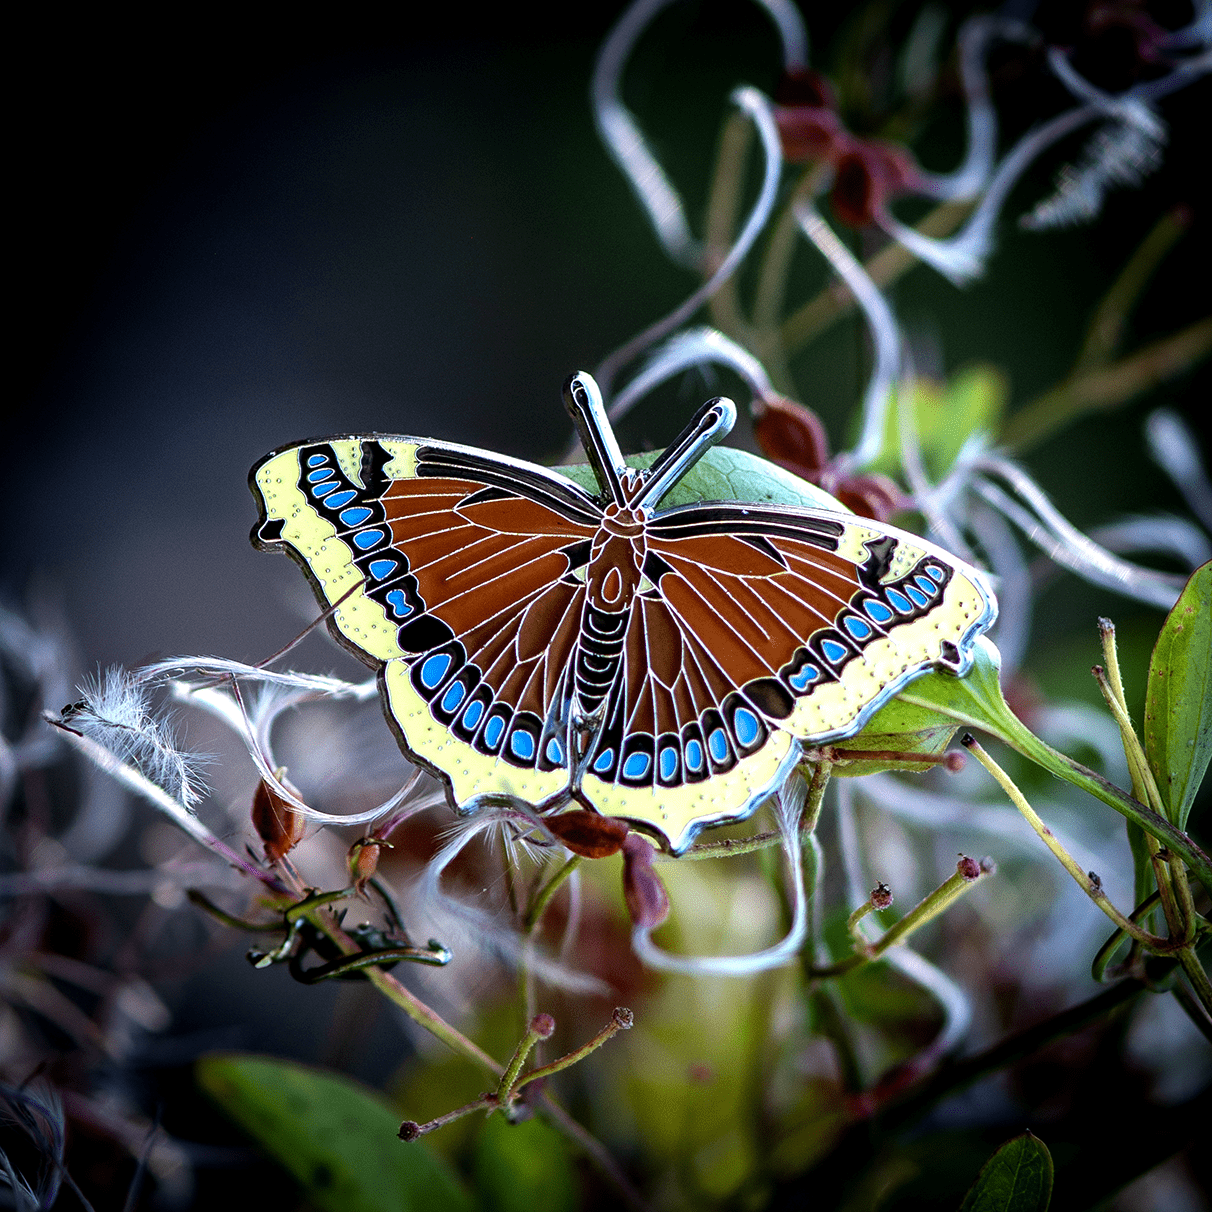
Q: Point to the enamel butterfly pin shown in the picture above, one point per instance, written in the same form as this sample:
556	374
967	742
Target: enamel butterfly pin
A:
538	642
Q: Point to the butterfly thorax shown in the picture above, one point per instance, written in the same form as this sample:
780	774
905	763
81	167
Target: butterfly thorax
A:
612	580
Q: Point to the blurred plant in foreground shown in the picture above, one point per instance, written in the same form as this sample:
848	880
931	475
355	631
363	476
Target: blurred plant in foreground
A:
815	1069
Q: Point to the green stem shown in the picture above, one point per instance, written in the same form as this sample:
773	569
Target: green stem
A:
723	215
976	700
620	1021
1098	968
1087	881
416	1009
506	1086
543	898
1194	971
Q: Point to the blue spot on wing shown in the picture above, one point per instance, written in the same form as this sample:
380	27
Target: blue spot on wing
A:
857	627
877	611
694	756
354	516
316	459
341	498
746	725
493	730
456	692
834	651
368	538
322	490
399	604
802	679
605	758
471	717
668	763
901	602
314	477
434	670
917	595
935	572
555	752
717	743
636	766
927	586
522	744
382	569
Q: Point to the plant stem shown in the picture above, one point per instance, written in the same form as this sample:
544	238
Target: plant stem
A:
417	1010
620	1021
1086	881
723	213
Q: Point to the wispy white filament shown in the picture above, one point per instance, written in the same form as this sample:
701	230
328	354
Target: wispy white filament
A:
1062	542
694	347
884	333
757	107
623	138
1175	451
969	179
789	810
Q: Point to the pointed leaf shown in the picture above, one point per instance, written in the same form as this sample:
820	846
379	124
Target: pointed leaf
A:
1017	1178
1178	708
336	1137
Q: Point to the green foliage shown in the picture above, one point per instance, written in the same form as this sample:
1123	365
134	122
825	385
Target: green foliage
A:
334	1136
946	416
1017	1178
725	474
524	1167
1178	712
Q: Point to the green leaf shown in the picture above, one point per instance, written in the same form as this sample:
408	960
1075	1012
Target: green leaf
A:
1017	1178
336	1137
724	474
524	1167
1178	708
946	416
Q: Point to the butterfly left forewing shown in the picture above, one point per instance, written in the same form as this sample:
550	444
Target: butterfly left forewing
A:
456	567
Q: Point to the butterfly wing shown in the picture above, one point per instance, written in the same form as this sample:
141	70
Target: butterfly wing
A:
453	571
765	630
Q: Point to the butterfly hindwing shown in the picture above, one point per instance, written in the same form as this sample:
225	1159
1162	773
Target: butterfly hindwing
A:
798	637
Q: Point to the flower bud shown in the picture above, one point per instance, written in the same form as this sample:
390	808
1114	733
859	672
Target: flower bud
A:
542	1026
881	896
278	824
969	868
363	860
647	900
588	833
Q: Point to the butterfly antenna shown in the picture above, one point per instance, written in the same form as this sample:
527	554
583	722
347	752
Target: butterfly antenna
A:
583	399
711	423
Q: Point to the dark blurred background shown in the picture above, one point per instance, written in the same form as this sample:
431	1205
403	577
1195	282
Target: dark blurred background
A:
232	234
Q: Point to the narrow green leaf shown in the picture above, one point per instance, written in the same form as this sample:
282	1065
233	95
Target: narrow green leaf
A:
1178	707
336	1137
524	1167
725	474
1017	1178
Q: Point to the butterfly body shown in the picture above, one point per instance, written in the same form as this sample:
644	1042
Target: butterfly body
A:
541	643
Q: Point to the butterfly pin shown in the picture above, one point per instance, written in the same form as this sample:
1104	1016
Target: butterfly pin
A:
542	643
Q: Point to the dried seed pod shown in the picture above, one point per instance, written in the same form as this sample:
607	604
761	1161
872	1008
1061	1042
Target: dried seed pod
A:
278	824
791	436
588	833
647	900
